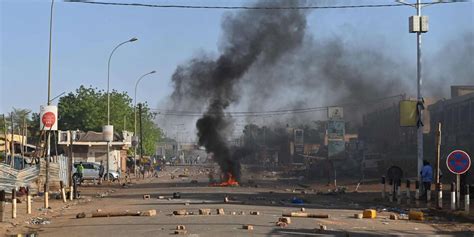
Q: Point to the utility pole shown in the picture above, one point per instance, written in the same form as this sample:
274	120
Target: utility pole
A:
439	186
419	24
420	105
49	101
5	136
12	151
108	130
141	130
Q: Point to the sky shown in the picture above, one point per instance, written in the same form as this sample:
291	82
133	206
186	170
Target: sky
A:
85	34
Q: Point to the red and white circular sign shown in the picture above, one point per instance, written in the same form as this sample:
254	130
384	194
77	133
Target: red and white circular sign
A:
48	119
458	162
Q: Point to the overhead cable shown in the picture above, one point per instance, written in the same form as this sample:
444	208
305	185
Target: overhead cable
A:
309	7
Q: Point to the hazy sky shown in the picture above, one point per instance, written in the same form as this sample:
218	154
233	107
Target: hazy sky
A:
85	34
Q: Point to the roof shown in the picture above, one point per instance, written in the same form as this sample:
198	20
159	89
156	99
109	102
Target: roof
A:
452	101
92	136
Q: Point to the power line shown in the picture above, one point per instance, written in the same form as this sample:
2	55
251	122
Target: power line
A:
162	112
246	7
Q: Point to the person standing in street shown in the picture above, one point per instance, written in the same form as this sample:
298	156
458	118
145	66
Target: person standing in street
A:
101	172
426	177
80	172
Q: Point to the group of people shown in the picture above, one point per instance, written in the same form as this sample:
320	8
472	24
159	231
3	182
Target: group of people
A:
80	172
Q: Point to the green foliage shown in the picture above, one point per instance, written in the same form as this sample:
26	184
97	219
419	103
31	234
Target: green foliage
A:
86	110
20	116
151	132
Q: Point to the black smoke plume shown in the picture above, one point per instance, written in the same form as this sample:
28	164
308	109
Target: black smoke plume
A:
249	38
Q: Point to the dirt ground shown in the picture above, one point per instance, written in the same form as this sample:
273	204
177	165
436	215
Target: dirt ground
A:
267	194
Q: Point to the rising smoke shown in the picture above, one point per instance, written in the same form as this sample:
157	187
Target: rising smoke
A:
250	37
267	61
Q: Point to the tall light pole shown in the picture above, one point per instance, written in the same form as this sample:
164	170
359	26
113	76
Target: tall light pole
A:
135	116
50	43
108	76
108	103
46	186
419	24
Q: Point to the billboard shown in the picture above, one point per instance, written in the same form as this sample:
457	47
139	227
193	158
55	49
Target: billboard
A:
49	118
335	113
336	148
336	129
408	113
299	141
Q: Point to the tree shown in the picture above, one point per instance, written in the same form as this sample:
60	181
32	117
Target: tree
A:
86	110
151	132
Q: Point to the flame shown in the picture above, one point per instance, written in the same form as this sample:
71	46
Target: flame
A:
231	181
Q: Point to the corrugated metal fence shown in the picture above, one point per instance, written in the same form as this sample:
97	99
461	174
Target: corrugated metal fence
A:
63	169
11	178
34	176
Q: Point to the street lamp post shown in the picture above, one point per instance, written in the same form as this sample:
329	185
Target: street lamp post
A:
419	25
108	100
46	186
135	115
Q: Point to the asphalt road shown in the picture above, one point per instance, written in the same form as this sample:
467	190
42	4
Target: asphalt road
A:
270	199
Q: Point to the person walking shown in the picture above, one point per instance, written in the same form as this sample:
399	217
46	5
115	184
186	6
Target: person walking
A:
426	177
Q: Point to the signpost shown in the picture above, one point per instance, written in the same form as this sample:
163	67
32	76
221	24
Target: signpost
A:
458	162
48	123
49	118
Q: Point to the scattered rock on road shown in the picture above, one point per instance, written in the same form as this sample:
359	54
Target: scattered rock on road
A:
81	215
205	212
150	212
247	227
181	212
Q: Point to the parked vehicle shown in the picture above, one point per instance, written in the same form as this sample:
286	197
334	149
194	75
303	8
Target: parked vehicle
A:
91	171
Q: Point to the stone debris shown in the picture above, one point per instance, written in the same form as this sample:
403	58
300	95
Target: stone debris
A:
281	224
181	212
416	215
81	215
115	214
39	221
180	232
205	212
220	211
305	215
180	227
254	213
150	212
247	227
287	220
